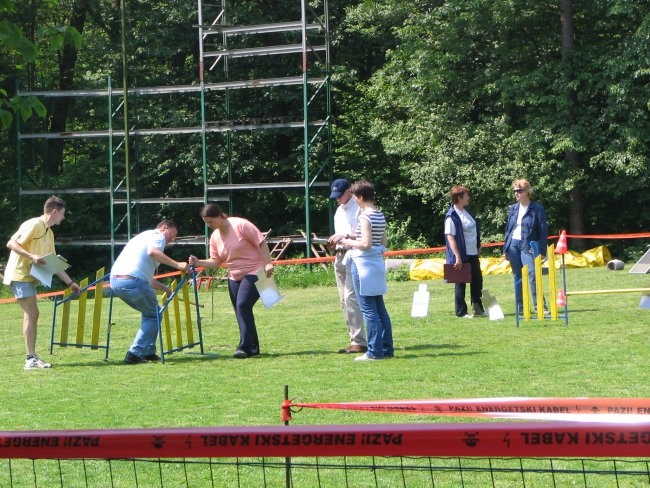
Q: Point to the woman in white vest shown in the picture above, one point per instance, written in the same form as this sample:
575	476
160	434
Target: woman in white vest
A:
369	272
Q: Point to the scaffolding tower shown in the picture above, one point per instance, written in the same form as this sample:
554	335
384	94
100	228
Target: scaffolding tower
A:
218	50
220	44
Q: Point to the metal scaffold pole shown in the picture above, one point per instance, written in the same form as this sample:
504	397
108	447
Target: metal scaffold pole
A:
328	90
127	146
231	109
19	164
204	142
111	173
305	108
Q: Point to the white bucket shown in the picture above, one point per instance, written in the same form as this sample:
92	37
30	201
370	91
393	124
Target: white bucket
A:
615	265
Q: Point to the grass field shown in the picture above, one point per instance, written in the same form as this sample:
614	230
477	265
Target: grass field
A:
603	352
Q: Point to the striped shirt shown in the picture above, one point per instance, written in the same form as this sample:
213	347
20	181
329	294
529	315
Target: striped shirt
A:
377	225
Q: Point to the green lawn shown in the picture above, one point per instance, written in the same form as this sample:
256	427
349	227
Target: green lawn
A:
603	352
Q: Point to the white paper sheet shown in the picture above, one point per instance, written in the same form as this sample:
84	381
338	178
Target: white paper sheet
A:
267	289
53	264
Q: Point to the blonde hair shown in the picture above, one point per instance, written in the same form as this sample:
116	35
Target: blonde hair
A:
524	184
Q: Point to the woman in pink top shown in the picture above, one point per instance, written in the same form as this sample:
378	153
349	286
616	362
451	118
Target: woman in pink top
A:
240	246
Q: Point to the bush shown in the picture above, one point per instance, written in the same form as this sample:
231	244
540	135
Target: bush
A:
300	276
401	273
399	237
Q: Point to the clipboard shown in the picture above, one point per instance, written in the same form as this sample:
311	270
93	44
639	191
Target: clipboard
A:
462	275
53	264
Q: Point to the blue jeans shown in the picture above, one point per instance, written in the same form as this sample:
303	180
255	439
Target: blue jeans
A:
139	295
243	295
520	254
379	329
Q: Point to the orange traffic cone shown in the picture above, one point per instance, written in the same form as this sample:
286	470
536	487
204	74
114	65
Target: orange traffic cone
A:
561	247
561	298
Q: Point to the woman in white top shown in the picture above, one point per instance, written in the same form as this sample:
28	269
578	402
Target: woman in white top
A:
463	239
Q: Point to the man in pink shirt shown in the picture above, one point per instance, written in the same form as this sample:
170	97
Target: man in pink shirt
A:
240	246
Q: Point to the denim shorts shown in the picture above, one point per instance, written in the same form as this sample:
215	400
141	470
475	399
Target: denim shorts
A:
23	289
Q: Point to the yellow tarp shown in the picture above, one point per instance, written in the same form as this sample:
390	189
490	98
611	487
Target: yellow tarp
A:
431	269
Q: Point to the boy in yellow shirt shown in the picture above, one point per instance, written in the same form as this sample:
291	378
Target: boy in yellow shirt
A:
33	240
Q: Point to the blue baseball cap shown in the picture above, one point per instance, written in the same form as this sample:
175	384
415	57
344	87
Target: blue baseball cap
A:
339	187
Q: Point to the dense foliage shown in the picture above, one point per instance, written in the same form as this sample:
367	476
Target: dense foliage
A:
481	93
426	94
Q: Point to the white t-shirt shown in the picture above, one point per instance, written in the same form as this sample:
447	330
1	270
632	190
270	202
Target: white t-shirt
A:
469	231
516	232
346	217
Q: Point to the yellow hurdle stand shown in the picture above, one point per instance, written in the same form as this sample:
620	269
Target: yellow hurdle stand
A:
82	338
176	327
539	289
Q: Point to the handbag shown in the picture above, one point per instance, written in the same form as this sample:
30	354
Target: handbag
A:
462	275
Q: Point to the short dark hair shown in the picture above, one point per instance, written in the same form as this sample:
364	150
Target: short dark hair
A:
457	192
52	203
168	223
211	210
364	190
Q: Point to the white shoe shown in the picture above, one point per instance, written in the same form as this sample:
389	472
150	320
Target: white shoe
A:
365	357
35	362
467	316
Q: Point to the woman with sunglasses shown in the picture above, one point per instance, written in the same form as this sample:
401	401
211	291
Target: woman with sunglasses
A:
526	234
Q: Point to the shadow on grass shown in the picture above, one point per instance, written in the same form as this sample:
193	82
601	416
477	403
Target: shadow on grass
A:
409	352
420	347
170	359
432	350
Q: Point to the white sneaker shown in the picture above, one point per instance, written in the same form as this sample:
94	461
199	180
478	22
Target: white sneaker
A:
36	363
365	357
468	316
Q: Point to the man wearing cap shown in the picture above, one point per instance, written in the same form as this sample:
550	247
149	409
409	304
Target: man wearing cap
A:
345	222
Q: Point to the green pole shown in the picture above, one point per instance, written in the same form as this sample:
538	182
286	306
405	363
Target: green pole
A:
127	161
328	91
226	73
204	154
111	176
19	164
305	105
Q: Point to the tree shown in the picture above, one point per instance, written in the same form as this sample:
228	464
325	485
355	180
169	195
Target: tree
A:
426	94
481	93
571	156
15	50
22	44
67	52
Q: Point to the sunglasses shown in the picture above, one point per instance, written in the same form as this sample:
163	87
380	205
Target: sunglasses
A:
518	190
